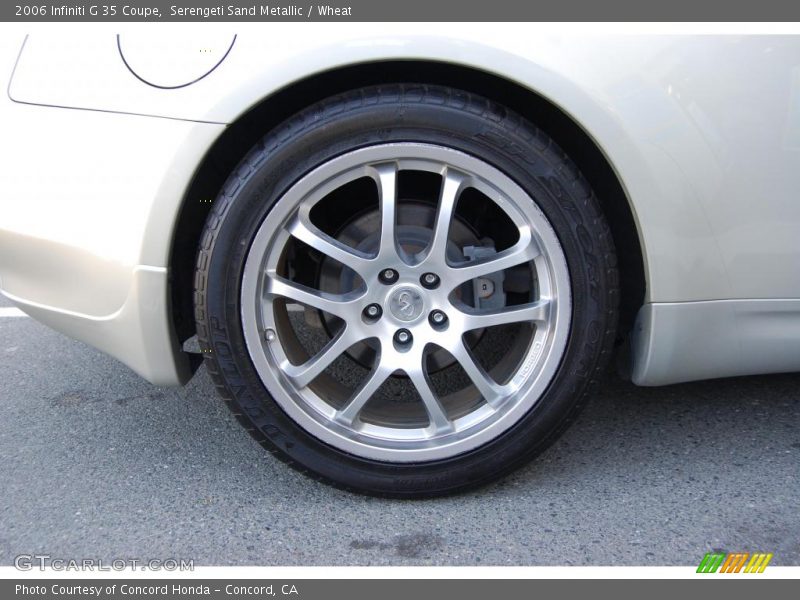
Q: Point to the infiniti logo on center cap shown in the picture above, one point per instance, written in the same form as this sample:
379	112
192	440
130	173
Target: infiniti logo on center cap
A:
406	303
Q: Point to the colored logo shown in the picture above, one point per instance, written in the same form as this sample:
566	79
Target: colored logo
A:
734	562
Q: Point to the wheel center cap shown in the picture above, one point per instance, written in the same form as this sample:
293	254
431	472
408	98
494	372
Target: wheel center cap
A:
406	303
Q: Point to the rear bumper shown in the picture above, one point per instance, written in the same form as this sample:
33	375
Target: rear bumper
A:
87	213
139	334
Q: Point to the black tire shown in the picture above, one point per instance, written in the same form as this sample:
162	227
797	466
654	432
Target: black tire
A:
423	113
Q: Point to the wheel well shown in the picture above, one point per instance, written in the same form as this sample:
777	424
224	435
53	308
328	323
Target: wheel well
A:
244	133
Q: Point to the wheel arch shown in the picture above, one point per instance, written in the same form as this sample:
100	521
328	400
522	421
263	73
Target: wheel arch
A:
271	110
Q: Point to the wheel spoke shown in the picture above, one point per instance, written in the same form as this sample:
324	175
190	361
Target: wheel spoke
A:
304	230
451	189
523	251
387	187
439	423
340	305
350	411
302	375
535	311
486	386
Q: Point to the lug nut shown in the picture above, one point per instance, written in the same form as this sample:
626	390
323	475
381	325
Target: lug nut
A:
373	312
403	337
437	318
388	276
429	280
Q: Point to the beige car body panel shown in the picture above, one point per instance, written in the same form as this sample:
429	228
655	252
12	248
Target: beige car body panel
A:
702	131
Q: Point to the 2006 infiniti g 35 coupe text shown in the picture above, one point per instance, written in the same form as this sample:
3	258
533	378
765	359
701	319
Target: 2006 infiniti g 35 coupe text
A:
405	259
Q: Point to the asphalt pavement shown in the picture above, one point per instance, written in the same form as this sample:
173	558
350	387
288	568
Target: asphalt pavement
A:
98	463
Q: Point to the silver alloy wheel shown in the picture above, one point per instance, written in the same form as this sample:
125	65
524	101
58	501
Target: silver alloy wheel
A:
406	305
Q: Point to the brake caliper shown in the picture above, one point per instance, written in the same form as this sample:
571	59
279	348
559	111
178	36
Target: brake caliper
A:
487	291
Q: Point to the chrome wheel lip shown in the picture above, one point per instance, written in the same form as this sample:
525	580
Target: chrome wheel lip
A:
318	418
